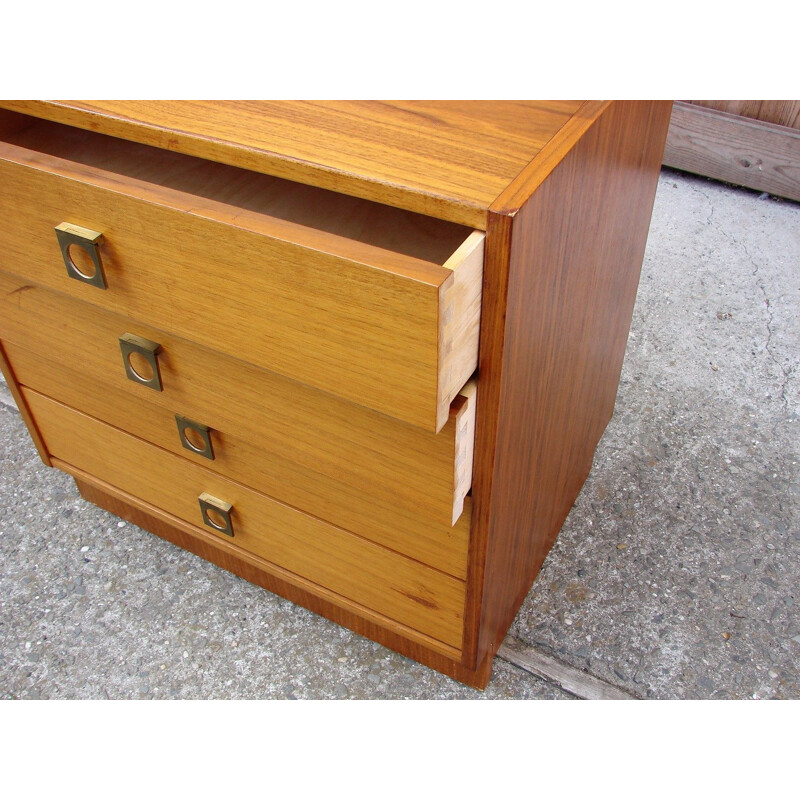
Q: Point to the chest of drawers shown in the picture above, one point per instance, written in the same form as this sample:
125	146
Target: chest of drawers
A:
359	353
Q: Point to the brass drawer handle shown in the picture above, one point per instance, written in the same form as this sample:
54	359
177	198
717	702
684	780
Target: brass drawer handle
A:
195	437
139	356
216	514
71	240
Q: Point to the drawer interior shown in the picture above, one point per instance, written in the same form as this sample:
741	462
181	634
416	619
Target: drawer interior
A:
403	232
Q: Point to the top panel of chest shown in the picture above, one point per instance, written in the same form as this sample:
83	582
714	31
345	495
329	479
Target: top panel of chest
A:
444	159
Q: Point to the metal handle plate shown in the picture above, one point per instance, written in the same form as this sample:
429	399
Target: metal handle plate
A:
136	347
216	514
89	241
195	437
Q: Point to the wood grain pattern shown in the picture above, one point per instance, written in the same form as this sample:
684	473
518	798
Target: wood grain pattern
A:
351	218
572	680
11	122
391	482
14	388
445	159
459	321
566	221
465	454
559	285
411	593
347	317
778	112
258	571
751	153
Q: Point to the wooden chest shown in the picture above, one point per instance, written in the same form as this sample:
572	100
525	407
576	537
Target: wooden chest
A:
359	353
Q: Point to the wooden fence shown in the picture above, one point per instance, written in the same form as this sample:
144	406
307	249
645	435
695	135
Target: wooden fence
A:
752	143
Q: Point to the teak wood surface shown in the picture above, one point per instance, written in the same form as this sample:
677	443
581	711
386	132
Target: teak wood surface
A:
352	219
391	482
445	159
382	329
566	228
565	248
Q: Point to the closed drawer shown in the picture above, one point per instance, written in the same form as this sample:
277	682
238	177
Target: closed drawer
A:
372	304
389	481
403	590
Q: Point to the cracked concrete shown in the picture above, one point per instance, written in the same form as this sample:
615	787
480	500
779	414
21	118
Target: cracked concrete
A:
675	576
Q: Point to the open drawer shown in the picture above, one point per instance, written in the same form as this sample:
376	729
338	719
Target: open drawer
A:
373	304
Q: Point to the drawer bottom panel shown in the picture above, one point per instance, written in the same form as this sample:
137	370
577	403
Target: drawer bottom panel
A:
404	590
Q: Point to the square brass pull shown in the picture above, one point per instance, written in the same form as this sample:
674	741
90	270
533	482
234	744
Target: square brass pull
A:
139	356
89	241
216	514
195	437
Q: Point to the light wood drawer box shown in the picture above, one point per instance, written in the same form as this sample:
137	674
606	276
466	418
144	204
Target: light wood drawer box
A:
373	304
392	482
323	279
401	589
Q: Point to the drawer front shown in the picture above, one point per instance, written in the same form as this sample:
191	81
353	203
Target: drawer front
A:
386	480
372	576
382	329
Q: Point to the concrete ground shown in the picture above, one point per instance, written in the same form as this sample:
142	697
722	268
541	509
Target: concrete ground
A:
675	576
